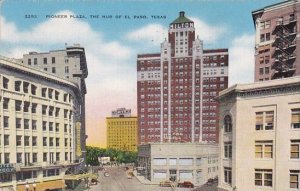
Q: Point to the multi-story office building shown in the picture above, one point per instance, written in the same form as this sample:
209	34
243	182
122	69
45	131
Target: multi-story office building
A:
178	162
176	88
276	40
69	64
122	130
260	136
40	134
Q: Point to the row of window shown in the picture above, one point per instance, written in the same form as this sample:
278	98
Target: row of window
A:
26	140
26	87
265	120
264	149
26	124
30	158
264	177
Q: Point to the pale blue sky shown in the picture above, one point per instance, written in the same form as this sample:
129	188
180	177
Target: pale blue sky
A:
112	45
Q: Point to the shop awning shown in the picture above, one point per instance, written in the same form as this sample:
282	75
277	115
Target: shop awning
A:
80	176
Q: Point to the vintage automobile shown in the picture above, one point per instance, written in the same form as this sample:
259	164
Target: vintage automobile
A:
186	184
166	183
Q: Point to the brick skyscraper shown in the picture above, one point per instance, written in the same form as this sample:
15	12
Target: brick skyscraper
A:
176	88
276	41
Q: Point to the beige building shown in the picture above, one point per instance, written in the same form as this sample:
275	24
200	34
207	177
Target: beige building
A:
70	64
40	135
178	162
260	136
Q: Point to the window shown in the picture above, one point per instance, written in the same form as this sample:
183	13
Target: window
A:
19	140
50	91
227	149
45	157
51	141
56	95
33	107
263	177
19	157
53	70
57	142
267	36
295	145
267	70
66	142
25	87
50	126
6	121
53	60
295	119
65	113
66	156
6	158
57	156
26	123
294	178
66	69
33	124
34	157
26	140
44	126
18	123
6	140
26	106
44	90
227	175
35	61
44	141
262	38
18	86
51	109
44	109
227	124
18	105
264	120
34	141
5	103
261	71
267	24
33	89
56	127
57	112
263	149
45	60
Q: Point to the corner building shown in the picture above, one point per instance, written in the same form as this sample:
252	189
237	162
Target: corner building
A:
69	63
122	130
39	116
260	136
176	88
277	40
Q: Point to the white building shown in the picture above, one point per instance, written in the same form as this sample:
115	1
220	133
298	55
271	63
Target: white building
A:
178	162
260	136
40	131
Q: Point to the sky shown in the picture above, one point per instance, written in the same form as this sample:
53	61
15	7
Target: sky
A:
122	30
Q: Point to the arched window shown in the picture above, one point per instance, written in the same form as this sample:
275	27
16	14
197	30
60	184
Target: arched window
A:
227	124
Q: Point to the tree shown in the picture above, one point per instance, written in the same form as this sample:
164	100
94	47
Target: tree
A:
92	154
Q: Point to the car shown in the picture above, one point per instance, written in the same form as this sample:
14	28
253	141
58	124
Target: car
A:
94	181
186	184
106	174
166	183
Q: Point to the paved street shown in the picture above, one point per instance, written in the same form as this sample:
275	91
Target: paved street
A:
118	181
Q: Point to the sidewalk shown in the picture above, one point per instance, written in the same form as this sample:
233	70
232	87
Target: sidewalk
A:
143	180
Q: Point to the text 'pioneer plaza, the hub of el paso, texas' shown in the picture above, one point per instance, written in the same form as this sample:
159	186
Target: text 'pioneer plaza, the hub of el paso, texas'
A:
94	16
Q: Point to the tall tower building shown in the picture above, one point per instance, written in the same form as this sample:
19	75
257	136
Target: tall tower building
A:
122	130
176	88
276	40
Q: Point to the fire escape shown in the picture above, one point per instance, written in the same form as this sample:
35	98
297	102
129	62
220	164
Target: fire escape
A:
285	44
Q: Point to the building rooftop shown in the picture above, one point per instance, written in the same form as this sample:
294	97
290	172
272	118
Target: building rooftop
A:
181	19
261	85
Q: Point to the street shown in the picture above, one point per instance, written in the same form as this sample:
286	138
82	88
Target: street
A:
118	181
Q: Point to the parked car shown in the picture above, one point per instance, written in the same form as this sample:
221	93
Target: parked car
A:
186	184
166	183
94	181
